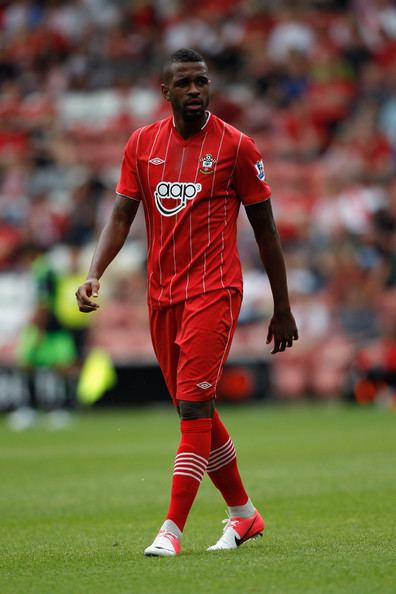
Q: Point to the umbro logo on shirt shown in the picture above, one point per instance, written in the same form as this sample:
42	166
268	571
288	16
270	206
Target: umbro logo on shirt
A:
179	192
204	385
156	161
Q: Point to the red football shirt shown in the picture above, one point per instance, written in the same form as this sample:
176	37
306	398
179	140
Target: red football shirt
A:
191	191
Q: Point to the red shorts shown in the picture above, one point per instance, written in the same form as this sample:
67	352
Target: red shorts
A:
192	340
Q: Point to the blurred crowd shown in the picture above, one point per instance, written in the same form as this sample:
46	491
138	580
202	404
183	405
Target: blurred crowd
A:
314	82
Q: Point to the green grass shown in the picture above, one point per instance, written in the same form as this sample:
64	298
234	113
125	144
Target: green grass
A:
77	507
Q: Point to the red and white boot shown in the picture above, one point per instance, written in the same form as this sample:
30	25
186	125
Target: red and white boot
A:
239	530
165	544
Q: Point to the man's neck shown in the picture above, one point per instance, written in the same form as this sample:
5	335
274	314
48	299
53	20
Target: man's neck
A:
187	129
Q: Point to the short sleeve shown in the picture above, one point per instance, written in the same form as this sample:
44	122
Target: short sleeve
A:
128	184
249	175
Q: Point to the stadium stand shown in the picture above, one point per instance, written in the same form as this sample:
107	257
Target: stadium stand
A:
313	82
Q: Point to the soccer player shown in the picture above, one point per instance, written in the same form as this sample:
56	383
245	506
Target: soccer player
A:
191	172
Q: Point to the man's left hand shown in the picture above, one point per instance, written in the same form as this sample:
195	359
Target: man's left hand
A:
283	331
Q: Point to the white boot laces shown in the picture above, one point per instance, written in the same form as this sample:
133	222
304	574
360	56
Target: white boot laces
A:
229	522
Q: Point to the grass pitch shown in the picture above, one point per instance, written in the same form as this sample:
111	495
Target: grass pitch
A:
77	507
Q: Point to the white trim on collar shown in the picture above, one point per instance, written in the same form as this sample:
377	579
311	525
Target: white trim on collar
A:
207	120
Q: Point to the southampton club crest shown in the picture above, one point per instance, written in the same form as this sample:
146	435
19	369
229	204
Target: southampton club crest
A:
207	164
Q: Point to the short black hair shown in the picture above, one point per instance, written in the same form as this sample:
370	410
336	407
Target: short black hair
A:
181	55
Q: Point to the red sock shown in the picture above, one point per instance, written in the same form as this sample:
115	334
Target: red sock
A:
190	466
222	466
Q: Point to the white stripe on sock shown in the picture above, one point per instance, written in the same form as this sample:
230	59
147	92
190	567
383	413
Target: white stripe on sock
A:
200	464
220	448
193	467
193	455
188	474
219	455
231	456
224	454
190	464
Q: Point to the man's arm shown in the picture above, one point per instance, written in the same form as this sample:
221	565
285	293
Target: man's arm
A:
110	242
282	327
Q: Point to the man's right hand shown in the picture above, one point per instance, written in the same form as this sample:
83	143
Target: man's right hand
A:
90	288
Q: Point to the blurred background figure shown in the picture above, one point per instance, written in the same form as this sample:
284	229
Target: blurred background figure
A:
47	350
51	346
313	81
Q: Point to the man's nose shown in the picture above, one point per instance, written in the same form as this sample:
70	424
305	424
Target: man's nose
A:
193	90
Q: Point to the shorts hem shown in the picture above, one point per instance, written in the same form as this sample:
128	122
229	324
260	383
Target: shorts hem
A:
190	398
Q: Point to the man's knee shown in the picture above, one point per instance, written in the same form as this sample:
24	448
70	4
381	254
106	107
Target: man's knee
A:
196	410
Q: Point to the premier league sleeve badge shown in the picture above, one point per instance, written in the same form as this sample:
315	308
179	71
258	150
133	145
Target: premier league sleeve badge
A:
260	170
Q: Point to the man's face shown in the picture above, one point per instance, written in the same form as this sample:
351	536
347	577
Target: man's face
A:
188	90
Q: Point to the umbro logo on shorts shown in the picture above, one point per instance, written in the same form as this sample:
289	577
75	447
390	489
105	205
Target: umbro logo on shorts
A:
204	385
180	192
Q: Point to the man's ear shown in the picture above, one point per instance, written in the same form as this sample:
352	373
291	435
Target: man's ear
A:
165	91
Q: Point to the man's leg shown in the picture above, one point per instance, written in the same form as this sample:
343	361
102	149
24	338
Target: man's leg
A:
223	470
244	520
190	466
191	458
205	341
